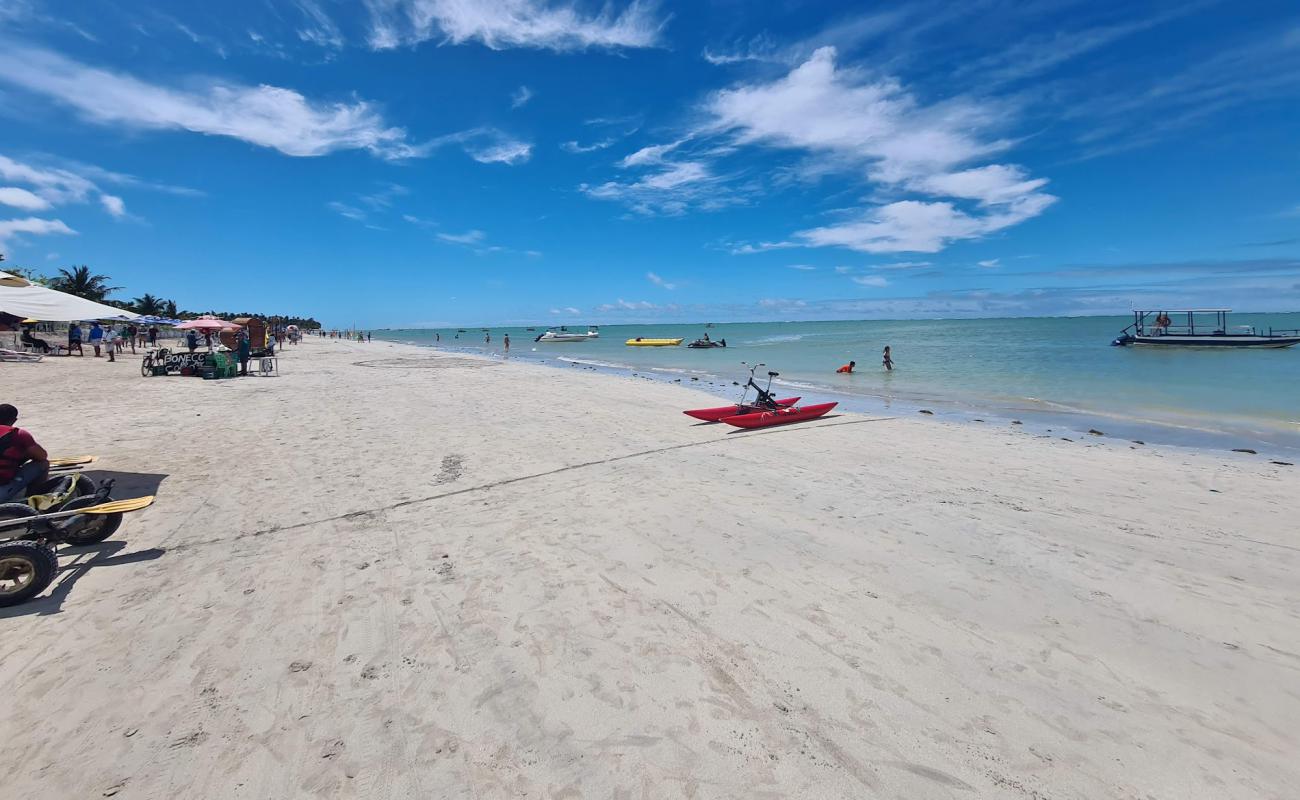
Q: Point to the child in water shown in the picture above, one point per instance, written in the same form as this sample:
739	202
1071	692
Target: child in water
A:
888	362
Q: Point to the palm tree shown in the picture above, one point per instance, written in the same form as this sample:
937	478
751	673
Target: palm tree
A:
148	305
83	283
170	310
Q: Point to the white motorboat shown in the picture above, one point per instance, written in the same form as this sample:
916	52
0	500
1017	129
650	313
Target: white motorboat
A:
566	335
1157	328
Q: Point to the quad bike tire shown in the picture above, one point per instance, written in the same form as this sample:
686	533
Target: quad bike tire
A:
26	569
87	528
10	511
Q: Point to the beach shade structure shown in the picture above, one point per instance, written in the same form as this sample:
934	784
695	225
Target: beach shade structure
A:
150	319
206	324
51	305
13	281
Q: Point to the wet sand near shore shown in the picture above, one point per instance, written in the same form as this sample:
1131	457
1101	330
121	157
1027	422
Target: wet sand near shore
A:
392	572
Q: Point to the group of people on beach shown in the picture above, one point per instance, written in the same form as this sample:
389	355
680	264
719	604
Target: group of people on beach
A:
106	339
887	361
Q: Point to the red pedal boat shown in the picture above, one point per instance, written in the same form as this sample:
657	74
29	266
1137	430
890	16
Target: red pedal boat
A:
781	416
717	414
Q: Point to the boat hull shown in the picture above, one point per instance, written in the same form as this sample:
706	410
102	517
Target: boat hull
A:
785	416
566	337
718	414
1215	341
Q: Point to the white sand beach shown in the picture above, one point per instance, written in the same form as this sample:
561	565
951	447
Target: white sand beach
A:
394	573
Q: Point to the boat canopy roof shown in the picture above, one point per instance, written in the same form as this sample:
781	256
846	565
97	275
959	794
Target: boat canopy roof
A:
1187	310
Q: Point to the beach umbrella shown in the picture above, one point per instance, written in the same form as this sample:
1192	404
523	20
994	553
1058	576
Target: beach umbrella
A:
206	324
51	305
6	279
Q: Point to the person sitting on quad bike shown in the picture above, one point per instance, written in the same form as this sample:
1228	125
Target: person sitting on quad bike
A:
23	462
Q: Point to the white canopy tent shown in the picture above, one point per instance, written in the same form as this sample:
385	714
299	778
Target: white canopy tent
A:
50	305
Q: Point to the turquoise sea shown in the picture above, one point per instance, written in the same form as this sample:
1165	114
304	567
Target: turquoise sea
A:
1046	371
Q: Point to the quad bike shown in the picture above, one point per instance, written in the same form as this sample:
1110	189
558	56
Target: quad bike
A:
67	510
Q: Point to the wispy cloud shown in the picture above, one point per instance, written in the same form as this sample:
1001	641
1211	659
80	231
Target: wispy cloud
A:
9	228
876	281
878	126
575	147
625	305
660	282
845	121
344	210
520	97
471	237
503	24
267	116
566	311
318	27
801	267
992	263
21	198
47	187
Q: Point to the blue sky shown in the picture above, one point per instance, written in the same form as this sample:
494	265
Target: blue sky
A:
434	162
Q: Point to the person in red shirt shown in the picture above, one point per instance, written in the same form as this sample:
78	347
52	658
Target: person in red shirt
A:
22	461
848	368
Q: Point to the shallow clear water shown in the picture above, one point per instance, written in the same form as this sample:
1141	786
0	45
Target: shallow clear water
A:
1014	367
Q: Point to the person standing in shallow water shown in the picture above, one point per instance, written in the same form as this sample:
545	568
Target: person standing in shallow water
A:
887	360
507	342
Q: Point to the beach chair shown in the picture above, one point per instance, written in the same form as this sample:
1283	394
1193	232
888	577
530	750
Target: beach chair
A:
19	356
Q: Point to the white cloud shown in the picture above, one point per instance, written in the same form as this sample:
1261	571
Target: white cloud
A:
801	267
654	154
922	227
113	204
54	186
21	198
345	210
902	265
574	147
320	29
520	96
870	280
567	310
267	116
501	24
624	305
32	225
843	270
502	151
471	237
660	282
761	247
991	263
676	187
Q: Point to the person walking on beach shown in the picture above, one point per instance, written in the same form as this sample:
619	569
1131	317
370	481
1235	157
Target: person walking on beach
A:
847	368
888	360
131	333
192	341
96	337
507	342
74	339
153	335
244	347
22	461
110	341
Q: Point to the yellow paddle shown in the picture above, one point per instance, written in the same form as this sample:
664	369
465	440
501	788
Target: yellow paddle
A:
72	461
111	507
